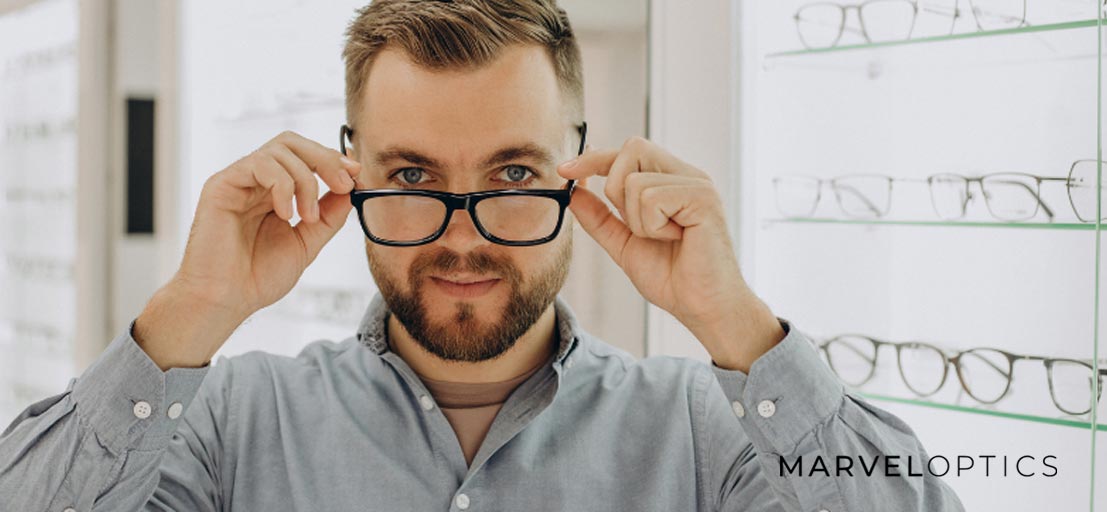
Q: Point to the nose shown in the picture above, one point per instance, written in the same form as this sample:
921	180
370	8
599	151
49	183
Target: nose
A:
461	233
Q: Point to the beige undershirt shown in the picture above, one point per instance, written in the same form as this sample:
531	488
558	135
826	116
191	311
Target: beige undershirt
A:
471	407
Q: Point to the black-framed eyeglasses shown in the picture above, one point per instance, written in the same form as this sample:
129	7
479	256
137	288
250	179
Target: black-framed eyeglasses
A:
514	217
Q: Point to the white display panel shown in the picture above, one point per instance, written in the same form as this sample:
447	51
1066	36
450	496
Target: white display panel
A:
38	213
958	100
250	70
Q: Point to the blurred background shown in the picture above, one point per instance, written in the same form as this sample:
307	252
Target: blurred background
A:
922	173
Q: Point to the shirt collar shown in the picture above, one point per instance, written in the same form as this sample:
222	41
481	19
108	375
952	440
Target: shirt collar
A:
372	331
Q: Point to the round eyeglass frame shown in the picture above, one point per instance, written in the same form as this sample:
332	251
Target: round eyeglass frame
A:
467	202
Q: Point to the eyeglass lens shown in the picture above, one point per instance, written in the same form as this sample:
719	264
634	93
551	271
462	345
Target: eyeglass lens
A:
516	218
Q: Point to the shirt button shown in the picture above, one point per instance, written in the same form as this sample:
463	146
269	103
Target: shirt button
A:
462	501
69	509
766	408
426	402
175	410
142	409
738	409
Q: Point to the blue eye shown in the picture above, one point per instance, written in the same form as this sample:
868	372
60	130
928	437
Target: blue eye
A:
516	173
411	175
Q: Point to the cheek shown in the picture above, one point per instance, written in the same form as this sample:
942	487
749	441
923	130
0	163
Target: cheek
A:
391	263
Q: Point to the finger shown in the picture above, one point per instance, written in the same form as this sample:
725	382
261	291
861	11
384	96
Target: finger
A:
307	188
650	158
591	162
633	185
340	182
334	209
600	223
626	163
655	217
257	171
324	161
666	210
267	173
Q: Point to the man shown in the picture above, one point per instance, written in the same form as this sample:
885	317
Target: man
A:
469	385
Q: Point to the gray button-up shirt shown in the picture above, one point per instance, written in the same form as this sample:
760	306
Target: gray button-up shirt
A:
349	426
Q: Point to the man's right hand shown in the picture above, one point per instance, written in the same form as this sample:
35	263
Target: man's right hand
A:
242	253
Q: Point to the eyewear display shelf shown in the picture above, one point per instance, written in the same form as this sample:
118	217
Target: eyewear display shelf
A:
939	190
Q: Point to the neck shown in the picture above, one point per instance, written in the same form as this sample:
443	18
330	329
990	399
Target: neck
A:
531	349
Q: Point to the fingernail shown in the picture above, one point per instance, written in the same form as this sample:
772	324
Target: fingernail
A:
348	163
570	164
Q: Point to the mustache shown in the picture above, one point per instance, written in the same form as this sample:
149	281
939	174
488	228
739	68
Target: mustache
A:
447	261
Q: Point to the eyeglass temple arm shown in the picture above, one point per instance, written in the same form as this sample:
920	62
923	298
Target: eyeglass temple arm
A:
1037	197
1022	21
872	207
953	13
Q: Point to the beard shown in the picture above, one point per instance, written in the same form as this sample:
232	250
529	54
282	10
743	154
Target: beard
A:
464	337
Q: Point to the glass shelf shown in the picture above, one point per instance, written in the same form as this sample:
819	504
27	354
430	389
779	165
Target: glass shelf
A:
965	224
925	40
974	410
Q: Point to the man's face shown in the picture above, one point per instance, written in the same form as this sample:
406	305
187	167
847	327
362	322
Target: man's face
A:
463	297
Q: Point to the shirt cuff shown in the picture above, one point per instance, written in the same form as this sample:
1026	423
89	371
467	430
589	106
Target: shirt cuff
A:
788	392
128	401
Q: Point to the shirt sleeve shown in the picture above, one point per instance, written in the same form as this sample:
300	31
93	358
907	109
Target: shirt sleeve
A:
97	445
791	409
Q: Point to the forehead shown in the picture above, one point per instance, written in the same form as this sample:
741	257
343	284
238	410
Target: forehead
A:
461	115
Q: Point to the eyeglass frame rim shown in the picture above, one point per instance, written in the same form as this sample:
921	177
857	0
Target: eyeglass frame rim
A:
928	180
467	202
954	359
844	11
833	184
844	8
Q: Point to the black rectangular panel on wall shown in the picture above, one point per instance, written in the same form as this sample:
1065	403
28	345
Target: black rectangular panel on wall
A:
140	165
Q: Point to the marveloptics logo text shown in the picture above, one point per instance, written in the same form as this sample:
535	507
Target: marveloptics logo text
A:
938	465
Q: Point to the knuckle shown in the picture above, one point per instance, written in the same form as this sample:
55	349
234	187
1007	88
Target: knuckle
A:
635	143
611	191
285	136
285	186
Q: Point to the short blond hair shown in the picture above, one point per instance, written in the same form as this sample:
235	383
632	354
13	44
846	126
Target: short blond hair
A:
459	34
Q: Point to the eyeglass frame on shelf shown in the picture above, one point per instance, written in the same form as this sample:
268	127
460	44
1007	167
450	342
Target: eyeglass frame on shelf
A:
969	180
1036	193
467	202
834	185
955	14
955	360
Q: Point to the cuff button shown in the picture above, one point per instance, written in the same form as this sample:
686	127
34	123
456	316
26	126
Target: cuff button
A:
142	409
766	408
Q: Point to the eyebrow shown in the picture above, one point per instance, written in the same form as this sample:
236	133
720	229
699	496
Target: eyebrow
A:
522	151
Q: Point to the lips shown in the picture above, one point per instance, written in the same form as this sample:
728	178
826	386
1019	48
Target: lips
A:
465	279
466	287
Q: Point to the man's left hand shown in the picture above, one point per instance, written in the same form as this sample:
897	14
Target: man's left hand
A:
671	240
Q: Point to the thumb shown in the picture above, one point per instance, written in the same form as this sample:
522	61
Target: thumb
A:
333	211
600	223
